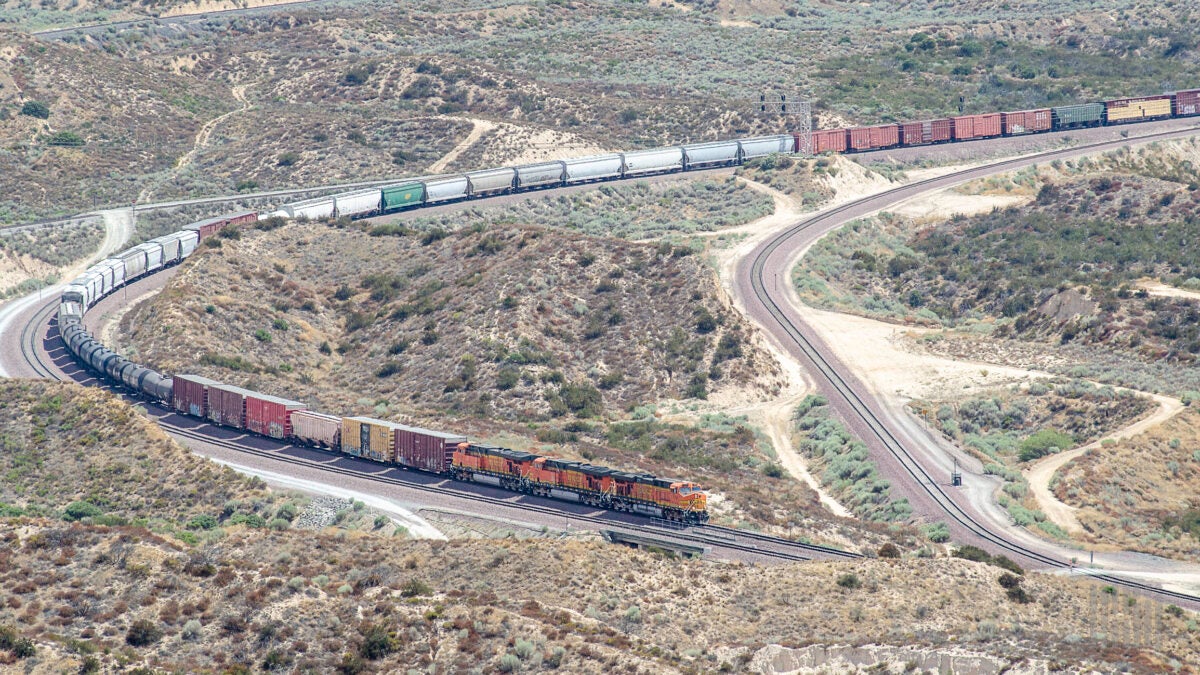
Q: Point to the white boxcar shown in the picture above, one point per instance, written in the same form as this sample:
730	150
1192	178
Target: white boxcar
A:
543	173
351	204
170	247
134	260
187	243
281	213
94	282
112	274
767	145
653	161
593	167
445	189
711	154
489	181
154	255
321	207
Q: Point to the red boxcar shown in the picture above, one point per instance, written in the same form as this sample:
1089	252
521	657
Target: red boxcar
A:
1025	121
826	140
1187	103
189	394
317	428
425	449
870	138
270	415
208	227
930	131
976	126
227	405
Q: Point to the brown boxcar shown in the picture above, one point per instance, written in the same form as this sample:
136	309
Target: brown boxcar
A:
1137	109
871	138
316	428
244	218
921	133
1025	121
227	405
270	415
425	449
967	127
190	394
826	140
366	437
1187	103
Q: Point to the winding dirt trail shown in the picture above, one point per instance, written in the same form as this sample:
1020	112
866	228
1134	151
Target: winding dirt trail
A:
1041	472
202	137
481	127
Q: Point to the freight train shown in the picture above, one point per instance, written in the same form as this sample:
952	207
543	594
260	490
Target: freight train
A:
437	452
1017	123
455	456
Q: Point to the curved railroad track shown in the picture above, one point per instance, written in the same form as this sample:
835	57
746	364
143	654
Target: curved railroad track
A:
867	415
43	327
776	255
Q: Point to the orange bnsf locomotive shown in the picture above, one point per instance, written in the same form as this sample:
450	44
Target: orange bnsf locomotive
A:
593	485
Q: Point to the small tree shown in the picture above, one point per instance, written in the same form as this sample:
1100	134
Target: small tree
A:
36	109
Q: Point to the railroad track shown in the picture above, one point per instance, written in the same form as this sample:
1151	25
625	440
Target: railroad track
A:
44	323
836	384
838	388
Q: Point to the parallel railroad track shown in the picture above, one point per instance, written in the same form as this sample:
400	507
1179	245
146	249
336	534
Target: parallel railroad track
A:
44	323
839	388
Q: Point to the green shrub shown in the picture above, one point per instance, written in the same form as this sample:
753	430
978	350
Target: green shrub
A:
414	588
287	511
36	109
378	642
142	633
1044	442
772	470
849	580
81	510
201	522
68	139
191	630
938	533
509	663
248	519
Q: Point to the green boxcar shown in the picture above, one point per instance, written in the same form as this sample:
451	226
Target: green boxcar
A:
400	196
1081	115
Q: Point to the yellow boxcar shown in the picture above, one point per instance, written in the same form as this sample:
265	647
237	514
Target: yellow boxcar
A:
1133	109
366	437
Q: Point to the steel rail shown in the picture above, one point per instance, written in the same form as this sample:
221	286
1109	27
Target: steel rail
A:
838	386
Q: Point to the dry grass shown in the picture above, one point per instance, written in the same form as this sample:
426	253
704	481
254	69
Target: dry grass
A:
311	598
1140	493
65	445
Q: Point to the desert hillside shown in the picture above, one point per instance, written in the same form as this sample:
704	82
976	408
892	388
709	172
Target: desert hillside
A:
511	322
82	454
90	598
